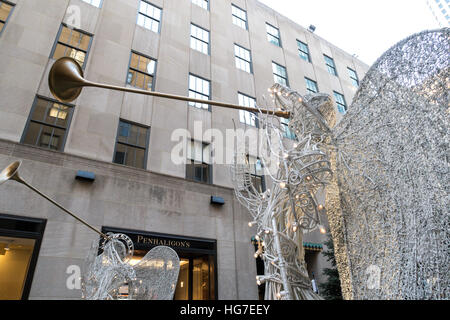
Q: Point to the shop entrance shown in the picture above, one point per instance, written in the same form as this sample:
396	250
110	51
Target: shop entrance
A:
20	241
197	279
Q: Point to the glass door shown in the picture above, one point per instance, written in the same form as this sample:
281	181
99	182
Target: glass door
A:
182	290
196	279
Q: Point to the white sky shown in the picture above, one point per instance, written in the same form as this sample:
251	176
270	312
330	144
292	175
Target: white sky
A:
366	28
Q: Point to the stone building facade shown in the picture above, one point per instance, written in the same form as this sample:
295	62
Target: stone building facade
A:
221	50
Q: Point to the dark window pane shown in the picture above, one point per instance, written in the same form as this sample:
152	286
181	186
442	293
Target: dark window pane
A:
40	110
134	134
32	134
57	139
130	158
142	140
205	173
140	158
131	145
124	132
198	173
120	155
190	171
46	135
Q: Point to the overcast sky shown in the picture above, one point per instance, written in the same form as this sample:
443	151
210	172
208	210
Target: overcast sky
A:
364	27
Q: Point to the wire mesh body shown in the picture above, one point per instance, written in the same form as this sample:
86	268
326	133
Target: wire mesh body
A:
110	276
392	169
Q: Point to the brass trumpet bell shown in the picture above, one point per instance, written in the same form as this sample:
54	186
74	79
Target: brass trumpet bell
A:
66	79
10	172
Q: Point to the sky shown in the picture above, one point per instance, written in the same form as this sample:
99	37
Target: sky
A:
367	28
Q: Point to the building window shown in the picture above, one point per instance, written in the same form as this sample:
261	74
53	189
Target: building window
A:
96	3
330	65
48	124
198	167
311	85
199	89
249	118
239	16
199	39
279	74
149	16
5	11
340	101
202	3
256	173
353	77
303	51
243	58
131	145
72	43
273	35
286	131
141	72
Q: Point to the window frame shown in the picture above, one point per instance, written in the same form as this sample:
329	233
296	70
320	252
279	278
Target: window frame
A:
190	162
353	80
147	143
276	37
61	27
287	133
207	4
335	93
200	93
329	67
308	54
139	71
315	84
245	111
13	5
239	18
275	74
242	59
42	123
197	39
145	15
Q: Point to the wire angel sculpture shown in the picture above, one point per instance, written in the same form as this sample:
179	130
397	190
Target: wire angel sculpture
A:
387	201
391	223
290	207
110	276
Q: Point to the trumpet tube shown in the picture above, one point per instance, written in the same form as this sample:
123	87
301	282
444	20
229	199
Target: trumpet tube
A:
11	172
66	81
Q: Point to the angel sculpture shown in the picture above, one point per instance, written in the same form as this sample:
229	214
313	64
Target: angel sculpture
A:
110	276
390	221
387	202
290	207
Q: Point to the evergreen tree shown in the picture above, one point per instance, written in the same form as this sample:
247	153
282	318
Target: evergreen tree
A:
331	290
